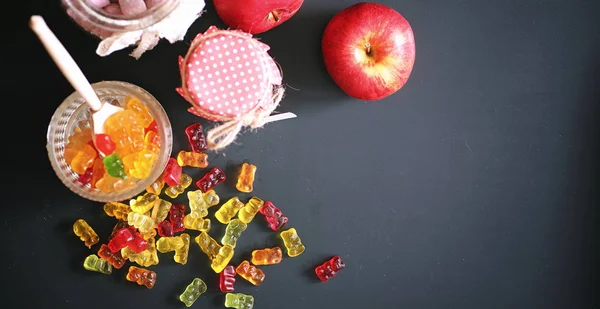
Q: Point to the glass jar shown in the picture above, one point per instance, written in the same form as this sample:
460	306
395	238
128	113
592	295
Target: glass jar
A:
102	24
75	113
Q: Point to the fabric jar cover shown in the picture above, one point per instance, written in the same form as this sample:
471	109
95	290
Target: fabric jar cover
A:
228	76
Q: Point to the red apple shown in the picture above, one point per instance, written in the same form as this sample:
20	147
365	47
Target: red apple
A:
369	50
256	16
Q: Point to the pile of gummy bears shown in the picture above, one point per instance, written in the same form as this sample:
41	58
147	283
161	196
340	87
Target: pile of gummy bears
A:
134	237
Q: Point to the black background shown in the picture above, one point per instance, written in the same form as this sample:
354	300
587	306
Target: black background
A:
474	186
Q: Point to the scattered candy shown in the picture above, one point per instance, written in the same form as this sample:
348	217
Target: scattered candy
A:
292	242
246	178
274	216
222	258
172	173
330	268
193	159
165	229
211	179
198	224
156	187
93	263
208	245
250	210
250	273
239	301
141	222
192	292
160	211
117	210
227	279
115	259
145	258
181	254
233	231
85	232
196	138
141	276
143	203
200	202
228	210
176	215
184	182
268	256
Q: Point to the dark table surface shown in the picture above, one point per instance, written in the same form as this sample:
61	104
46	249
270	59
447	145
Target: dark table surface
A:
475	186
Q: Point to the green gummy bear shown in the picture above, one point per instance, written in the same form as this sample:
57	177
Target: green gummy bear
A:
192	292
239	301
94	263
233	231
114	166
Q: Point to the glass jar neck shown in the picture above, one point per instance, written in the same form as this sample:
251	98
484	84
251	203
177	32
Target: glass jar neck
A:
83	10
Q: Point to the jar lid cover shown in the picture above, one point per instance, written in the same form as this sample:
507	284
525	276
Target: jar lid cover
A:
227	73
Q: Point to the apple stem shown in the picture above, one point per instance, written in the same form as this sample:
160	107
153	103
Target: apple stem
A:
368	47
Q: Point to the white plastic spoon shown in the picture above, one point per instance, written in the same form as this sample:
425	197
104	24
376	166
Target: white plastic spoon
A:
70	69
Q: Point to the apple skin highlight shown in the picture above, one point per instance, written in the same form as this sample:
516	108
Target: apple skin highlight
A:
369	50
256	16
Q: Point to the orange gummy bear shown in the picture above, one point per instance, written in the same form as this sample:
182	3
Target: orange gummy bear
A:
139	164
125	131
79	138
83	159
143	116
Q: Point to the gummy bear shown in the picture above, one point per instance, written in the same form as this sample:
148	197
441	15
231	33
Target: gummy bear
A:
245	180
176	215
172	173
268	256
200	202
139	164
198	224
117	210
104	144
250	273
160	211
98	171
250	210
77	141
114	258
85	232
142	114
192	292
211	179
167	244
93	263
184	182
208	245
121	239
86	177
143	203
276	219
181	254
141	222
153	127
152	142
228	210
227	279
222	258
292	242
114	166
239	301
141	276
83	159
145	258
330	268
196	137
165	229
233	231
193	159
125	131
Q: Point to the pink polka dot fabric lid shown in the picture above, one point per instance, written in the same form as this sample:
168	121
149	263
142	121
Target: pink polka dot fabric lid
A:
227	74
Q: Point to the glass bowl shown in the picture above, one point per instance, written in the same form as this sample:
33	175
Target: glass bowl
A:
75	113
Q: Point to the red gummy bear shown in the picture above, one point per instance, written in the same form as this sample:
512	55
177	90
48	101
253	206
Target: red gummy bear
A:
330	268
196	137
274	216
165	229
176	214
121	239
211	179
172	173
227	279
